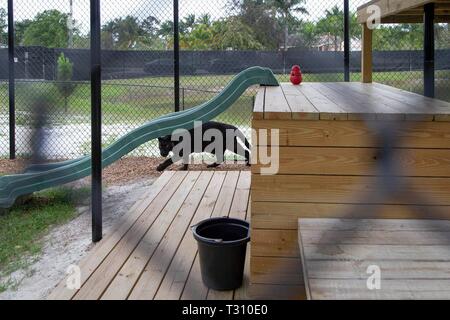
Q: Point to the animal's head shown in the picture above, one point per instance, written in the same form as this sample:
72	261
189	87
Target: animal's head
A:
165	145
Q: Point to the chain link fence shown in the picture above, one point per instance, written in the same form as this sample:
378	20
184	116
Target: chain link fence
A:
217	39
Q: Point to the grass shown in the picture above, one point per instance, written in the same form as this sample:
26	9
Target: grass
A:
24	225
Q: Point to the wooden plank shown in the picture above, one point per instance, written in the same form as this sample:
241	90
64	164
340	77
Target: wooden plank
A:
327	108
302	108
377	237
284	216
275	105
424	105
242	292
356	109
176	277
408	254
388	7
412	110
195	289
366	54
377	252
373	225
276	270
275	243
357	161
101	278
362	106
408	289
349	189
258	109
334	269
238	210
153	273
101	250
276	292
427	135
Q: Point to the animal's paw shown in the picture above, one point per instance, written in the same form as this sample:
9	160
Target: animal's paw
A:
160	168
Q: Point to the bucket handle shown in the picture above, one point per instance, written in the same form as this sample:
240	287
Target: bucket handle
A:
213	240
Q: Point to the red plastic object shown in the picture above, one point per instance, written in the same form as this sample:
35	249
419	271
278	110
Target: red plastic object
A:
296	75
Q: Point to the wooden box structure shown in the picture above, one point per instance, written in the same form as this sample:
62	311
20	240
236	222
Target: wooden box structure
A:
330	164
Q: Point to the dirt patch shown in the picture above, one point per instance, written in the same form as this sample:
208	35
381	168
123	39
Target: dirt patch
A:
127	169
12	166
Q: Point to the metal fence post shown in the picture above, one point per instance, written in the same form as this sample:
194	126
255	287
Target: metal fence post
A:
428	46
176	54
96	122
12	84
346	40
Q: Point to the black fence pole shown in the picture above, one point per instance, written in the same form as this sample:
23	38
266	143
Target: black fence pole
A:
346	40
96	122
12	83
428	45
176	54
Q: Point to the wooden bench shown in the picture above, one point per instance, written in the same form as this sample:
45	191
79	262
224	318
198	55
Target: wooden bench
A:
340	257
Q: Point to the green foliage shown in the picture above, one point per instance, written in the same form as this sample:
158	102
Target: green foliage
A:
48	29
129	33
3	26
64	77
19	30
399	37
24	225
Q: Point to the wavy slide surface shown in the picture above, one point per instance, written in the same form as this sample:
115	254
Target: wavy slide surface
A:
40	177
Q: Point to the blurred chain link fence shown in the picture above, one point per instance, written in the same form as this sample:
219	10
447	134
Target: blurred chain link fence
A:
217	38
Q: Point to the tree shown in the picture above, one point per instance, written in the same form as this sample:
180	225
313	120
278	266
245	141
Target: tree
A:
48	29
128	31
308	34
3	26
399	37
205	19
64	77
187	24
166	32
19	30
259	16
233	34
285	11
150	25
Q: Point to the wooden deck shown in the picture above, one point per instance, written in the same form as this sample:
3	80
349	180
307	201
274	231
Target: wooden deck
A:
151	254
411	256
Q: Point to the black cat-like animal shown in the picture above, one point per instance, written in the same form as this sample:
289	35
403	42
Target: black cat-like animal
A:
168	143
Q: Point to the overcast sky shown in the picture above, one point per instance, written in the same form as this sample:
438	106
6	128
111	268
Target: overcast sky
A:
162	9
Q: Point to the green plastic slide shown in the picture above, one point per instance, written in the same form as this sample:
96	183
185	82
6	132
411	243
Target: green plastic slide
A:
40	177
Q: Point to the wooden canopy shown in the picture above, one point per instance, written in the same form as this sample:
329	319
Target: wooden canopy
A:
406	11
427	12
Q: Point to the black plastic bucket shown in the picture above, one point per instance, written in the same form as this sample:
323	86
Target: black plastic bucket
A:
222	245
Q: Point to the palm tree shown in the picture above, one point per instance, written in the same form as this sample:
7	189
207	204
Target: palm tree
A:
205	19
331	25
287	9
187	24
166	31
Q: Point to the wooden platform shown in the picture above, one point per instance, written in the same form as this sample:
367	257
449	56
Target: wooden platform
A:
346	101
339	256
332	164
151	254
